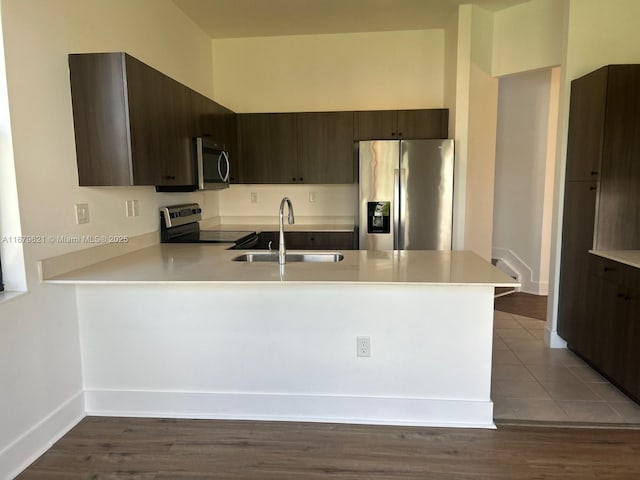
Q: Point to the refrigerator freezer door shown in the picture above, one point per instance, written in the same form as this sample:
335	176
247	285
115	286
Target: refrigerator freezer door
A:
426	194
379	162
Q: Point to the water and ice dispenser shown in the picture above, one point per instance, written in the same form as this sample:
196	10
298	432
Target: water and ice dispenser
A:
378	217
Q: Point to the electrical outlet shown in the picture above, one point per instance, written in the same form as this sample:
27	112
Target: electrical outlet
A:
82	213
363	346
131	208
312	197
254	197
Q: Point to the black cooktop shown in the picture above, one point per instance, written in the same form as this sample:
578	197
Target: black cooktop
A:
225	236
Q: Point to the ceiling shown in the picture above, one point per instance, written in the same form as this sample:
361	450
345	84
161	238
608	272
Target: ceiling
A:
262	18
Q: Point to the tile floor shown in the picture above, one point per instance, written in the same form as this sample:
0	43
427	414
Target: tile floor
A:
531	382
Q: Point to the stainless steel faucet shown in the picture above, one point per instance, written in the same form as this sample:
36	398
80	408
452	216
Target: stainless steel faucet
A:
282	250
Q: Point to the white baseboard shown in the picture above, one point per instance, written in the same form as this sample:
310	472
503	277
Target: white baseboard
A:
297	408
23	451
553	340
523	272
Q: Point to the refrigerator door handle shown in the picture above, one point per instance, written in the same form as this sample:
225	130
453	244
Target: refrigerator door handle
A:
396	209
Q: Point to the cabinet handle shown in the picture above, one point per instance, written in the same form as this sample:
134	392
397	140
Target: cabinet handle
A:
170	177
591	189
399	134
609	269
393	134
293	178
593	173
301	179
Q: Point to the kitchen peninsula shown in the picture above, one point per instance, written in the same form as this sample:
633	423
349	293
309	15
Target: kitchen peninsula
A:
176	330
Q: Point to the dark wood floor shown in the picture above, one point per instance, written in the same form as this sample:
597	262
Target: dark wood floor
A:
101	448
525	304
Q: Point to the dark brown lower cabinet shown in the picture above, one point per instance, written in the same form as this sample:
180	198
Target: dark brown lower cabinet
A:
610	336
309	240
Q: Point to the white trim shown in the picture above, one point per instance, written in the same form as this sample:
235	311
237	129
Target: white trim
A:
25	449
522	271
296	408
9	295
552	339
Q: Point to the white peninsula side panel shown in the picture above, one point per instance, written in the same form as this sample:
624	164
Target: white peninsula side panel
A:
287	351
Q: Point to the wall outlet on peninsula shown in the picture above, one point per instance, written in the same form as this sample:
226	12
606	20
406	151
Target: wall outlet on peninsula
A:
363	346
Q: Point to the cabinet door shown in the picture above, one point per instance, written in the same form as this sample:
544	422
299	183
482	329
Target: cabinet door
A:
146	91
159	115
178	166
308	240
267	148
607	329
586	126
332	240
427	123
325	147
202	107
618	220
632	366
376	125
577	240
100	118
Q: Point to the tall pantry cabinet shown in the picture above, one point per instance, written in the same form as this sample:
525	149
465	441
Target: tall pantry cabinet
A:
598	304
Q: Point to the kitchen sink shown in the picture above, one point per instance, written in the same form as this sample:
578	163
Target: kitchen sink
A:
315	257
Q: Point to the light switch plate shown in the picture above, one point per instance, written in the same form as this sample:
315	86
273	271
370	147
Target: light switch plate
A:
82	213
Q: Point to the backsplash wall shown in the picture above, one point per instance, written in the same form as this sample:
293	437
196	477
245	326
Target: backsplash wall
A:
330	200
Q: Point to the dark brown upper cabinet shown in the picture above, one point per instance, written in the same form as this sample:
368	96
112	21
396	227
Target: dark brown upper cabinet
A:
135	126
399	124
618	214
212	120
325	147
586	127
315	147
267	148
132	123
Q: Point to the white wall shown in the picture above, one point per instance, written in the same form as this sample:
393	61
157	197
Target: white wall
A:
363	71
330	200
283	352
40	375
520	229
528	37
475	130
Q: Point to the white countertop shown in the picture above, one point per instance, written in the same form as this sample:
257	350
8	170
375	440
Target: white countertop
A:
211	263
627	257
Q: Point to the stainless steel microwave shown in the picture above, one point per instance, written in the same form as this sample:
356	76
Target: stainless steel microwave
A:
212	164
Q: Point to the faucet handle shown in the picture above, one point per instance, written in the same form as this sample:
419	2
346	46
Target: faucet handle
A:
270	249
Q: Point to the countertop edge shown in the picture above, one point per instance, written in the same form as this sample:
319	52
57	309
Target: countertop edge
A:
626	257
272	282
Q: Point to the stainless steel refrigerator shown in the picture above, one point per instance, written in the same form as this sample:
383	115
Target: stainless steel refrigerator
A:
406	194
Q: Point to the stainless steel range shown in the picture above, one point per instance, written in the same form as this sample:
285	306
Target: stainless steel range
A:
180	224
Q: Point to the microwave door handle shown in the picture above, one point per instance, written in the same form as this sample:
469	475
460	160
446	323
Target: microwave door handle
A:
226	159
200	162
